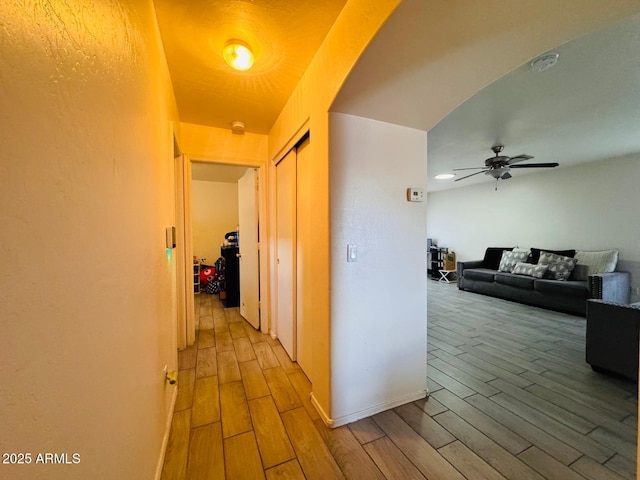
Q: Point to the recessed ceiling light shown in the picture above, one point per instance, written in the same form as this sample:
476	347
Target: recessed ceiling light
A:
238	55
445	176
544	62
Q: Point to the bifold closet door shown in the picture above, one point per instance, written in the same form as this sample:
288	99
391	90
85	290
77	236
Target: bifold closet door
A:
286	253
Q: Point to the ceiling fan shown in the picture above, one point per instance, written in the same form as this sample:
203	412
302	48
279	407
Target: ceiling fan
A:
498	167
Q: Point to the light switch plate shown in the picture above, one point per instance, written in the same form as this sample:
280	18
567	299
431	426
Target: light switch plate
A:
352	253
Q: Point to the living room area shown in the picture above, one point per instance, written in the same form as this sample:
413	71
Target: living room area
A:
513	378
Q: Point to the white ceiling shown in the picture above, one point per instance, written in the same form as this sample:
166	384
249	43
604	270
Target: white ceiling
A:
585	108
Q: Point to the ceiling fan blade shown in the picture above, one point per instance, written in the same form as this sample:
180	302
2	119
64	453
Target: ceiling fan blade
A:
518	158
536	165
462	178
470	168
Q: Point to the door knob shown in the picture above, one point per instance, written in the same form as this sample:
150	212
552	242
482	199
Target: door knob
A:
239	255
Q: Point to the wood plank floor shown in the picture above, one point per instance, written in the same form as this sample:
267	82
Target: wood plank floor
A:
511	398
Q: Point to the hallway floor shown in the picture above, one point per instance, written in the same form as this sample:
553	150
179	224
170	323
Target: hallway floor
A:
511	398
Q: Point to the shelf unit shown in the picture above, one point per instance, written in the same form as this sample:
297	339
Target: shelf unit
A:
196	277
437	260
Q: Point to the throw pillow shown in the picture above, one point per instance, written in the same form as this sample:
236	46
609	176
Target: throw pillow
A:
604	261
509	260
492	257
530	270
559	266
580	272
535	253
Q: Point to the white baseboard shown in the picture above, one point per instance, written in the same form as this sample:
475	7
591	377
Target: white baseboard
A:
381	407
167	432
323	415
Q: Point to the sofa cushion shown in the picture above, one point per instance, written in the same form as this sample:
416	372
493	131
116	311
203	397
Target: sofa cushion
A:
512	280
535	253
480	274
510	259
568	288
492	256
530	270
604	261
559	266
579	272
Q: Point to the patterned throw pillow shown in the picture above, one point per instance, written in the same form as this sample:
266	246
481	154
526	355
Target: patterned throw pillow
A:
509	260
559	267
529	270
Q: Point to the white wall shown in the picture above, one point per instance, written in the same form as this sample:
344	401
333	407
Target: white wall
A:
589	207
87	289
215	213
378	308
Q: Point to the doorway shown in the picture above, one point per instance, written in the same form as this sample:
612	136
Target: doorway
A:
215	196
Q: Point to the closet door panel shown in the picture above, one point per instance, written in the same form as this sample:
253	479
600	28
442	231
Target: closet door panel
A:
285	252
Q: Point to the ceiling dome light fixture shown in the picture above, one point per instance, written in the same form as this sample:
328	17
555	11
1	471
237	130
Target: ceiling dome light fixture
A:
445	176
544	62
238	55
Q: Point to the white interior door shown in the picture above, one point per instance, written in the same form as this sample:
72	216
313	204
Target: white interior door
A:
285	252
249	260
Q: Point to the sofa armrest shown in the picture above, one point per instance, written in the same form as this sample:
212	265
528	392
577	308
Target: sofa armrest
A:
461	266
610	287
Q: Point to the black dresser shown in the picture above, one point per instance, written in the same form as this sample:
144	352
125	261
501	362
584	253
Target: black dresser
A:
231	284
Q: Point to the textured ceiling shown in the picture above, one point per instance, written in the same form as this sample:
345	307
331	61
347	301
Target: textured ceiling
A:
284	35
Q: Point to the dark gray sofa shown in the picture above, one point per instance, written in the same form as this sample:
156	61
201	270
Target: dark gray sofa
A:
570	296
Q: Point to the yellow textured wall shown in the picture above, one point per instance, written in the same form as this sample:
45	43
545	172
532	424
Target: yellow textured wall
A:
214	207
311	100
87	288
220	145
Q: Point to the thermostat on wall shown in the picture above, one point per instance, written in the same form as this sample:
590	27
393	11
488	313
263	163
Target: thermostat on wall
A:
415	194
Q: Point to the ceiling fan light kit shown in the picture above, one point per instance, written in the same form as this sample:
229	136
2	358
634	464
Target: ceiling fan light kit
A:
499	166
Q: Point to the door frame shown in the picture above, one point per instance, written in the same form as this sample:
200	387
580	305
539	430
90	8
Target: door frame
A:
185	286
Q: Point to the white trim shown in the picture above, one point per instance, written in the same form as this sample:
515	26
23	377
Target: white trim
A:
323	415
167	432
287	147
381	407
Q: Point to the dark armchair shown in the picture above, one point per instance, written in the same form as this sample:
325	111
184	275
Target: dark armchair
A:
612	337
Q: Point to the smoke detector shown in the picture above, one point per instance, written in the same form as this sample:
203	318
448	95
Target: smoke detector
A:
544	62
237	127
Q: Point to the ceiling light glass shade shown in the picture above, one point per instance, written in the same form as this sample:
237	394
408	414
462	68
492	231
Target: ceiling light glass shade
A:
445	176
238	55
